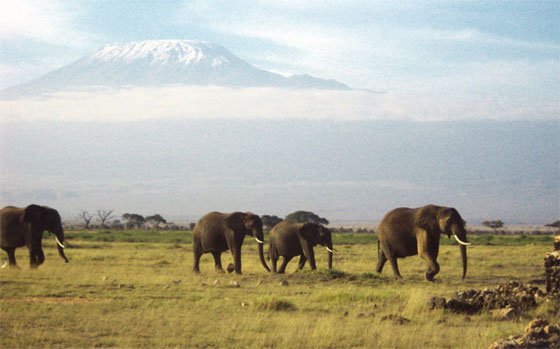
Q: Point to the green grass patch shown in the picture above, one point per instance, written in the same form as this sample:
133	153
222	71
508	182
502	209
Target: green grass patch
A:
185	237
148	236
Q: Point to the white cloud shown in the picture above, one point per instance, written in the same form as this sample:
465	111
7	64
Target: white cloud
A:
48	21
474	36
197	102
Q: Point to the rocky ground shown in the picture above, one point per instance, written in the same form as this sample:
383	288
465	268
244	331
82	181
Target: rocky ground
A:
511	299
538	334
505	302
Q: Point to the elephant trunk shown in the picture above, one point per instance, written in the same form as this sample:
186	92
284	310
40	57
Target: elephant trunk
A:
461	237
261	256
463	249
330	251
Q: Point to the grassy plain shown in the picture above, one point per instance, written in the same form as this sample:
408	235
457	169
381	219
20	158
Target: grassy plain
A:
142	293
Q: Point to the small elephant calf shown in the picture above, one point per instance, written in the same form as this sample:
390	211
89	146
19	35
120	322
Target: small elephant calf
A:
289	239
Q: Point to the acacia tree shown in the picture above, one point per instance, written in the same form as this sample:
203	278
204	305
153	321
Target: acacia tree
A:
155	221
103	216
306	217
86	217
270	221
133	220
493	224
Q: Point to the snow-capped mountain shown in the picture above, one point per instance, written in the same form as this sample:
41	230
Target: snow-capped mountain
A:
163	62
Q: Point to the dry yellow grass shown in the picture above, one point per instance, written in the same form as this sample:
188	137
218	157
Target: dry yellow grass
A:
145	295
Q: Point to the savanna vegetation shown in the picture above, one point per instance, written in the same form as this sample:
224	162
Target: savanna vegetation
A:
136	288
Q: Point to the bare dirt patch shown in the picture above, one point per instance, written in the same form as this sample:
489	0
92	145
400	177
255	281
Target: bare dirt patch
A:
56	300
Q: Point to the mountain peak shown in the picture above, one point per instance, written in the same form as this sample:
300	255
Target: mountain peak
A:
163	62
164	52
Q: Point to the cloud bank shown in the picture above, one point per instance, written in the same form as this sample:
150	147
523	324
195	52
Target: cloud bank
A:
209	102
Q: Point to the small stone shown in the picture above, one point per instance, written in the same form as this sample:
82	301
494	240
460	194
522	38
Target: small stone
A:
536	324
550	329
284	283
504	313
234	284
346	313
230	268
396	319
243	304
437	303
104	278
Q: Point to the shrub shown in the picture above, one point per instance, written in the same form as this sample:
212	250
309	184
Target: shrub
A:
274	304
334	273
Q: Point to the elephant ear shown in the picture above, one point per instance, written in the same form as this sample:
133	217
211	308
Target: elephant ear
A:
309	232
235	221
34	215
449	215
250	219
427	219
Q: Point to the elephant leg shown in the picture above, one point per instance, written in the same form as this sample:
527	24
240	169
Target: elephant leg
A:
11	251
218	262
433	266
287	259
302	261
273	260
428	254
392	259
381	260
40	257
197	254
235	249
33	260
394	265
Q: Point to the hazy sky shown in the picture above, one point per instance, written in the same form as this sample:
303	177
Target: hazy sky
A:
486	52
436	71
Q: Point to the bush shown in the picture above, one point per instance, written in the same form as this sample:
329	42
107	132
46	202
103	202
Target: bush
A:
334	273
270	303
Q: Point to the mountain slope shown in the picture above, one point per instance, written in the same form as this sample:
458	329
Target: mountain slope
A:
163	62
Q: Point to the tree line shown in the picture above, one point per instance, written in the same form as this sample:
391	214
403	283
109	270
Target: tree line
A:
106	220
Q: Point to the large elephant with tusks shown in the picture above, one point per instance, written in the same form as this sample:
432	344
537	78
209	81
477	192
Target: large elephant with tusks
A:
407	232
24	226
217	232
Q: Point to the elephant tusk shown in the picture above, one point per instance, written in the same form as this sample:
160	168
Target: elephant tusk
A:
331	251
259	241
59	243
4	265
461	242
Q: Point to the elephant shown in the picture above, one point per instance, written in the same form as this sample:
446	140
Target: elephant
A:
25	226
290	239
407	232
217	232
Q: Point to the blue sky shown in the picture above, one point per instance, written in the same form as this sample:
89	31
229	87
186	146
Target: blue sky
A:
509	49
455	103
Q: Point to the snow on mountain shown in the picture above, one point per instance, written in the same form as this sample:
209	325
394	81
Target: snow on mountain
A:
163	62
